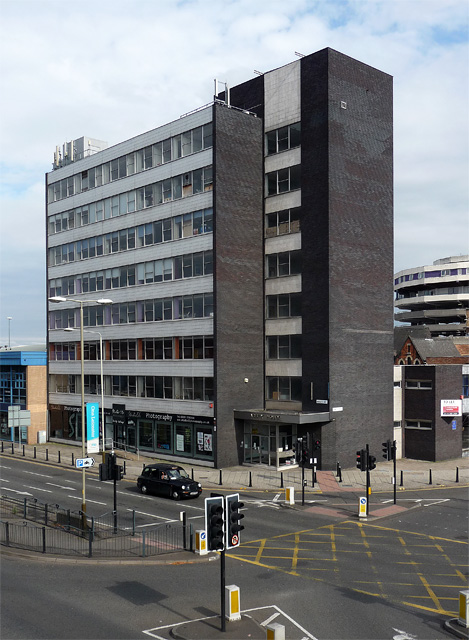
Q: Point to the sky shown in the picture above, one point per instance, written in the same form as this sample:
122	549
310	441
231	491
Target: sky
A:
112	69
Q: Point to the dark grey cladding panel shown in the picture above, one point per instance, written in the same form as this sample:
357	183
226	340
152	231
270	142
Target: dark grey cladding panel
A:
238	272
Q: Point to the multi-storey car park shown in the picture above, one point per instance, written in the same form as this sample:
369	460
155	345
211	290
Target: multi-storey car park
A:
435	296
247	250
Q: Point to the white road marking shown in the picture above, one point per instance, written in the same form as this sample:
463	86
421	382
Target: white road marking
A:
403	635
38	489
276	497
22	493
96	502
32	473
60	486
269	620
3	480
152	515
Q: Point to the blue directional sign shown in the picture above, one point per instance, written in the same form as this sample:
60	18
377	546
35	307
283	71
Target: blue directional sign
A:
82	463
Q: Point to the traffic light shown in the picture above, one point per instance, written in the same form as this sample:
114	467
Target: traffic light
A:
106	469
118	472
316	445
387	450
371	463
233	516
214	521
362	461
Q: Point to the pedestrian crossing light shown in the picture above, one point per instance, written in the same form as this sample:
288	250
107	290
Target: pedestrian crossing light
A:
233	517
214	521
362	460
387	452
371	463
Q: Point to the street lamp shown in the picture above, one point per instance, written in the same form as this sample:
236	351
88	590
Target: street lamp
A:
9	318
101	367
57	299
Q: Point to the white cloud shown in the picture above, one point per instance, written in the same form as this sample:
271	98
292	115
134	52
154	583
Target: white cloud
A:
114	69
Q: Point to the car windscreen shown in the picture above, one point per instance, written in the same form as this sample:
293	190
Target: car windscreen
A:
175	474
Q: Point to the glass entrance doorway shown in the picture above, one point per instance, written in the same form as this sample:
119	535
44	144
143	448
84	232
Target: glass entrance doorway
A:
269	444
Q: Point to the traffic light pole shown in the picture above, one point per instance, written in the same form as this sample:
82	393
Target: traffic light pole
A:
367	477
222	588
303	484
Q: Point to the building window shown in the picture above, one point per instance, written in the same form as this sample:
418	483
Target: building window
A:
284	389
465	386
418	384
284	138
281	222
283	264
283	347
418	424
286	305
283	180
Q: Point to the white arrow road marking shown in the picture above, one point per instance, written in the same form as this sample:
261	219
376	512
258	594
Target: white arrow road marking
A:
38	489
276	497
60	486
403	635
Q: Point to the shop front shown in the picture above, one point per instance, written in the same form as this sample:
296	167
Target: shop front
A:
271	438
167	436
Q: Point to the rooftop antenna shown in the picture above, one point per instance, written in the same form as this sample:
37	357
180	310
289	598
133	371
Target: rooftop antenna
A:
227	91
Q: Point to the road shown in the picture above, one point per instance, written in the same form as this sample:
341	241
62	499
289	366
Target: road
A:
323	576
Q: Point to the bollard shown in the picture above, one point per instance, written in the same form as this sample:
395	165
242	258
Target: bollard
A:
47	455
220	482
429	476
464	609
13	447
250	479
201	542
2	446
340	474
23	451
275	631
281	480
232	603
59	456
34	453
192	473
25	508
73	460
457	474
124	468
402	478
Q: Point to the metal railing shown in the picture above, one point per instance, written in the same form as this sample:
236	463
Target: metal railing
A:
67	532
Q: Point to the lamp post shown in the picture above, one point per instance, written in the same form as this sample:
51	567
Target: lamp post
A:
58	299
9	318
102	377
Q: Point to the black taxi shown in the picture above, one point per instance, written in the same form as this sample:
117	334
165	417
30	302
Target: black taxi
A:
168	480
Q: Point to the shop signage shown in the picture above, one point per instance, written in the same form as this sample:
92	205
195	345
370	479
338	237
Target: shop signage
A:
92	427
451	408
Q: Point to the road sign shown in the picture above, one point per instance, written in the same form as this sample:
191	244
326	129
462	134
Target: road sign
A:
81	463
362	508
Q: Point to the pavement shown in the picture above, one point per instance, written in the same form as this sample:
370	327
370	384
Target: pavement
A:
411	474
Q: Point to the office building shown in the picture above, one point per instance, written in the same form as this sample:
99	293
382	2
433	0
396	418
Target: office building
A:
435	296
247	251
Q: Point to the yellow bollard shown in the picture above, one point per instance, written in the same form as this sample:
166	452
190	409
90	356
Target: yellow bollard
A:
290	495
232	603
201	542
464	608
275	631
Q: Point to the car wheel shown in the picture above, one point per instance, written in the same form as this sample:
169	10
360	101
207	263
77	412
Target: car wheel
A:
175	494
144	488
